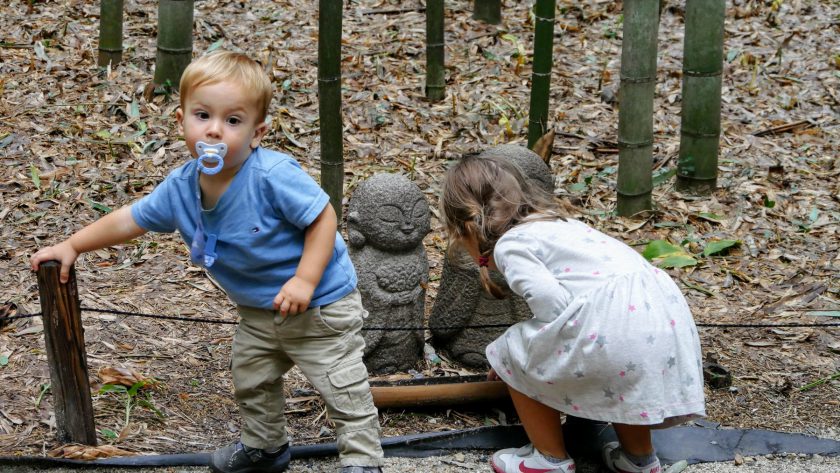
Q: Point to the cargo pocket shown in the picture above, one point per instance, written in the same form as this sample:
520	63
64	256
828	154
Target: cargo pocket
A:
350	389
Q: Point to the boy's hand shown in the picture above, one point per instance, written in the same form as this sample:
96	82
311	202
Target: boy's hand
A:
294	297
62	252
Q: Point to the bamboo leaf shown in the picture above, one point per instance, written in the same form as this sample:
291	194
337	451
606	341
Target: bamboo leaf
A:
677	261
824	313
216	45
660	249
36	178
718	246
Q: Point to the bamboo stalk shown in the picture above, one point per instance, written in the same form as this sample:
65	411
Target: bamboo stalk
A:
435	54
329	100
488	11
110	32
174	42
702	71
541	76
635	114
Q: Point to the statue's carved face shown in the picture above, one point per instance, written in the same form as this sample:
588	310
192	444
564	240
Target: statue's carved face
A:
399	224
392	215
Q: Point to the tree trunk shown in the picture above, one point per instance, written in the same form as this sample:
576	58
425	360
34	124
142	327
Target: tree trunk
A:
174	42
488	11
329	101
702	70
110	32
541	77
635	114
435	55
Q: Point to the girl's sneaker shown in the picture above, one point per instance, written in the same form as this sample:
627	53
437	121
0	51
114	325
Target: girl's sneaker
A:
617	461
527	459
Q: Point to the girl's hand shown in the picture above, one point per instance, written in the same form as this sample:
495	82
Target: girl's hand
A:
62	252
492	376
294	297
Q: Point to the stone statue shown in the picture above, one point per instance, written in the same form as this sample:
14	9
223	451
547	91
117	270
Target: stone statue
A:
461	301
387	219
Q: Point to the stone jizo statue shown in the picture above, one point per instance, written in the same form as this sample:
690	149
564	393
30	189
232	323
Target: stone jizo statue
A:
388	217
461	301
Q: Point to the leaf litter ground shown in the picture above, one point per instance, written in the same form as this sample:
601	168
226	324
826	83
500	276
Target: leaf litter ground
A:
77	141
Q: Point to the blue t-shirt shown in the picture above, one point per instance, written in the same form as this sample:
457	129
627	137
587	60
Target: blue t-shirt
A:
260	222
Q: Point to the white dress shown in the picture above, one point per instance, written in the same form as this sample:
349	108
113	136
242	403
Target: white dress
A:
612	338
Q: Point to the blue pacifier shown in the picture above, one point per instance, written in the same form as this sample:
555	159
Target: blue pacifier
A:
210	154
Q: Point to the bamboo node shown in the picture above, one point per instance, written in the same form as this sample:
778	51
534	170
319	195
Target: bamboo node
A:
630	144
690	73
542	18
638	80
175	50
698	134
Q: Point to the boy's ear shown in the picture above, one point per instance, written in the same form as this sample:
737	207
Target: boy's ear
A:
179	116
259	132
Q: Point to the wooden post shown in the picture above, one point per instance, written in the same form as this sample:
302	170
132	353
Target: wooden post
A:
65	343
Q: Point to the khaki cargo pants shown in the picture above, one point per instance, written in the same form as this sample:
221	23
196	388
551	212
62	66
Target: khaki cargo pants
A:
325	343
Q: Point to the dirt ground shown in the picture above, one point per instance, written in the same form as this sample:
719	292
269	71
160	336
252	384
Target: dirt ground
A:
77	141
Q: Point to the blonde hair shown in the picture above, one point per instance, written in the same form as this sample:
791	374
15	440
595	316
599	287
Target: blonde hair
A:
485	196
228	66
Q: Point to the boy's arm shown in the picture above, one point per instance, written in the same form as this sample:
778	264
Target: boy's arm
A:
318	247
116	227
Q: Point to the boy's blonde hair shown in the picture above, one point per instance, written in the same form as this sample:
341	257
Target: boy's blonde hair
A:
228	66
485	196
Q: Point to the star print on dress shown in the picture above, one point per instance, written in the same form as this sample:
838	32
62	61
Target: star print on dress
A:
579	373
632	308
608	393
650	339
601	341
630	367
671	362
568	400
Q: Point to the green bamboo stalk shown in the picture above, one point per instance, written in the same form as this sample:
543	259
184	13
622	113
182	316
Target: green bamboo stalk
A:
110	32
174	42
635	114
435	55
329	100
702	71
488	11
541	77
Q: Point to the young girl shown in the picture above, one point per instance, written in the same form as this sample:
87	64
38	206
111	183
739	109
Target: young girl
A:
612	338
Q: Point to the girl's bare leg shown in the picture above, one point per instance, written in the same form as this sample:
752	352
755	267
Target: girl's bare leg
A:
634	439
541	423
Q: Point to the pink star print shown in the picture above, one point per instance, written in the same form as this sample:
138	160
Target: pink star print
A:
622	373
644	414
576	407
593	336
596	273
621	397
632	308
673	322
567	270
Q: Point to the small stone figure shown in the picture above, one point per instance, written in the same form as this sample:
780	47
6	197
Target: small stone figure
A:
387	219
461	301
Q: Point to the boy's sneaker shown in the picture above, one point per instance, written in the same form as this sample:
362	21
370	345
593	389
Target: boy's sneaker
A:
617	461
527	459
238	458
361	469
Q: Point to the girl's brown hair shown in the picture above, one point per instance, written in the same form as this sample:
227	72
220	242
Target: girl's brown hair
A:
485	196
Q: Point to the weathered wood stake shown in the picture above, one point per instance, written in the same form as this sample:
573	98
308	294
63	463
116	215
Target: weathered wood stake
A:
66	355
